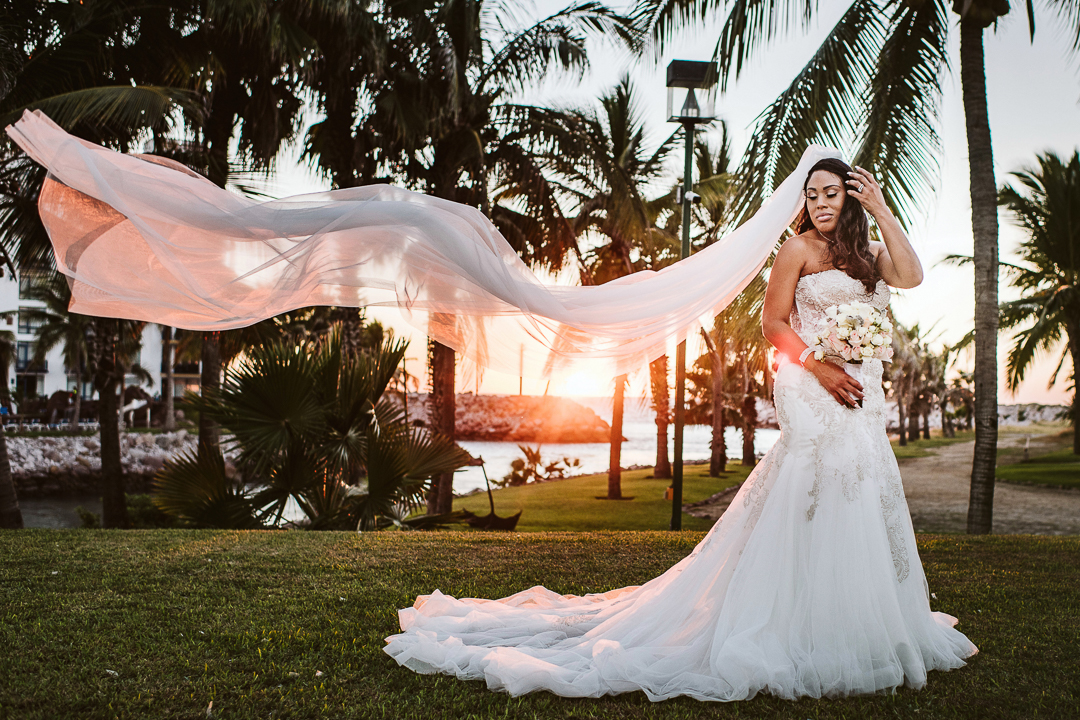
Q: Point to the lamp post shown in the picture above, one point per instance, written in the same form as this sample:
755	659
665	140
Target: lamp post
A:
690	76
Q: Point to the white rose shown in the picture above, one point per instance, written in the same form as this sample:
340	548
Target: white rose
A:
886	327
845	309
877	340
843	332
867	352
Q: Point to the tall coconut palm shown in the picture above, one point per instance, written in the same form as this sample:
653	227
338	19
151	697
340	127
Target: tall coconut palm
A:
437	117
711	217
878	76
604	169
1047	207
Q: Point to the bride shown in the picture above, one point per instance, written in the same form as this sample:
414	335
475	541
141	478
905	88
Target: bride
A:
809	585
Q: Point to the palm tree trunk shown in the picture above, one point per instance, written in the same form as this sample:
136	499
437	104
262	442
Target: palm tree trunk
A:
169	423
658	377
1072	331
614	476
113	504
926	422
718	458
210	380
76	404
984	226
749	414
718	446
913	419
441	409
901	408
10	514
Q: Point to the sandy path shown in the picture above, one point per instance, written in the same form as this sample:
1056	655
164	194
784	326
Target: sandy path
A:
937	494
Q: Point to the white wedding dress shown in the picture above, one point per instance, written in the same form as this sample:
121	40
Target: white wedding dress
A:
809	585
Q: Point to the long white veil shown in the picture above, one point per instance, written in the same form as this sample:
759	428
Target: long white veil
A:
145	238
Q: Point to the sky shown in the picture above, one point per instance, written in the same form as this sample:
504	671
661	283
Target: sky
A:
1033	92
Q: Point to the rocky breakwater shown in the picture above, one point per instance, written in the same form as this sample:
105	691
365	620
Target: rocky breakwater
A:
60	465
519	418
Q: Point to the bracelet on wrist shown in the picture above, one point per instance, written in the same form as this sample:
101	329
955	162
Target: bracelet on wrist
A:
807	353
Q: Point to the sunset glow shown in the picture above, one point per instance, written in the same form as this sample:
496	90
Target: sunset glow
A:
583	384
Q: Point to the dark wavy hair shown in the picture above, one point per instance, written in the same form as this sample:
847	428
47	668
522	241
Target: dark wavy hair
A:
849	246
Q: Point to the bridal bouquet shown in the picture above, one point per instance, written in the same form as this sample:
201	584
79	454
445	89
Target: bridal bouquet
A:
855	332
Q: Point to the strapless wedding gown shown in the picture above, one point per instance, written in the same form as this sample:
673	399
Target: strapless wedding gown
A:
809	585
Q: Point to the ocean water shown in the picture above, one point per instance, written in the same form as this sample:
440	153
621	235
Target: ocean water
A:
639	448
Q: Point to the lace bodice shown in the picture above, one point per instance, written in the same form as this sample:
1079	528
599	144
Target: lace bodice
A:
817	291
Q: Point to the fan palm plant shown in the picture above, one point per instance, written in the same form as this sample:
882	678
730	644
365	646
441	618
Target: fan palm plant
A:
311	426
1047	207
878	76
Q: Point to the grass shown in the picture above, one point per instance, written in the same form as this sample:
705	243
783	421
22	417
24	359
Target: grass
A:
245	620
1059	469
573	505
1051	460
921	447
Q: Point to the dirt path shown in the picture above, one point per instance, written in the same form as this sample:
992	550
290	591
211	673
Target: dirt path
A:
937	494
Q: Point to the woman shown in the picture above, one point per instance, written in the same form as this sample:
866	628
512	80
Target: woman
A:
809	585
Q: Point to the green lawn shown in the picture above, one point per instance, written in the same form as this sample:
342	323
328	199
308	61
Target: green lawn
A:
1061	469
921	448
246	620
573	505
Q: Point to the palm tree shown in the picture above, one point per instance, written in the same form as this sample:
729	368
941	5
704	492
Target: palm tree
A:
604	169
111	347
879	75
58	326
1047	207
435	116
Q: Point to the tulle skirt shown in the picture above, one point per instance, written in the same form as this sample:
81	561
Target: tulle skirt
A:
809	585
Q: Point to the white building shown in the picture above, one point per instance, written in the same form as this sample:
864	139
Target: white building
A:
36	380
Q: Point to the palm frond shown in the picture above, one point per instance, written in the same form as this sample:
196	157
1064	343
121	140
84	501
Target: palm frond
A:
195	487
131	108
900	142
824	103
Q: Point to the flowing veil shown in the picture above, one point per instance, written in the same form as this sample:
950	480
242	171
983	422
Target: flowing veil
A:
145	238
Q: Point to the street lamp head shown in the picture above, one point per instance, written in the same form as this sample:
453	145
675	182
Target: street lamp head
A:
684	78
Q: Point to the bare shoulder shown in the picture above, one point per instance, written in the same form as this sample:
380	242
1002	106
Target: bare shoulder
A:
795	251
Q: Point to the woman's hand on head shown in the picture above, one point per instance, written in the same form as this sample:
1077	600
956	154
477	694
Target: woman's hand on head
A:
845	389
862	186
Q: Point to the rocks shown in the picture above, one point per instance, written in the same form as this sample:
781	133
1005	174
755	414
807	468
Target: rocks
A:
519	418
58	464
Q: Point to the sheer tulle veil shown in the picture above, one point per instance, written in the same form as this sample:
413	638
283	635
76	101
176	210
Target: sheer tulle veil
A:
145	238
